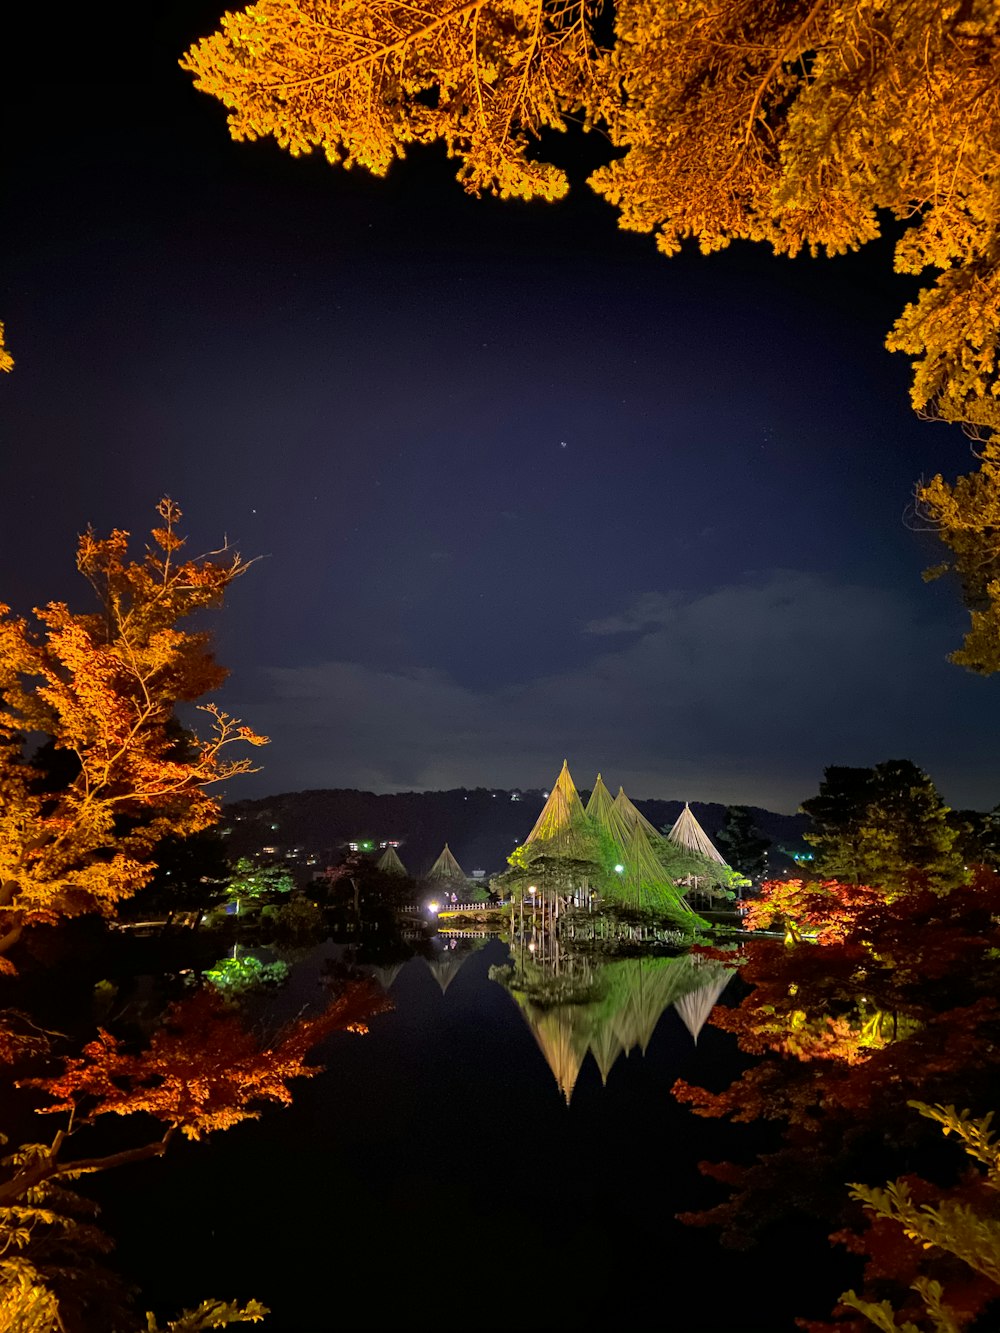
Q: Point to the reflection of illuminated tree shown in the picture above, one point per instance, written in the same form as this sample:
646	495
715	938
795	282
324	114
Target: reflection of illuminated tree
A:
204	1071
899	1002
607	1008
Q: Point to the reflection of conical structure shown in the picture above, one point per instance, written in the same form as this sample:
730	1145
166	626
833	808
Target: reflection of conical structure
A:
653	985
632	815
689	834
634	993
385	976
695	1007
390	864
605	1048
562	1048
562	825
445	968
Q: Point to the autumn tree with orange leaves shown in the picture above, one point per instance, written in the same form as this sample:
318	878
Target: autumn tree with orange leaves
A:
103	687
81	817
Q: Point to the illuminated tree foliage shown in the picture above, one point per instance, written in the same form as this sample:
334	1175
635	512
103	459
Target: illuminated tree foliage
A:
966	517
204	1071
103	687
6	360
252	881
934	1249
822	910
885	826
793	122
895	998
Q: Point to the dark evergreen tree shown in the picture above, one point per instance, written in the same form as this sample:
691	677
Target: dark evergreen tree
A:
741	842
978	840
837	814
191	875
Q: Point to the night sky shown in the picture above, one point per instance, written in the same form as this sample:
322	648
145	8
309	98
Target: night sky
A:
525	489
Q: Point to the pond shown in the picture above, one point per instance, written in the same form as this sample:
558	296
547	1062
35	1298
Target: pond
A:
484	1158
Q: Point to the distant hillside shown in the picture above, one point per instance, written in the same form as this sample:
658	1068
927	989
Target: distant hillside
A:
309	829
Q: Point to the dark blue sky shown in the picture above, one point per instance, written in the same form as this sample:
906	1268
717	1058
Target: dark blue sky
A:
525	488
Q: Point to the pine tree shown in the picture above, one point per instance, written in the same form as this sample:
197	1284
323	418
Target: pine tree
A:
742	843
837	814
885	826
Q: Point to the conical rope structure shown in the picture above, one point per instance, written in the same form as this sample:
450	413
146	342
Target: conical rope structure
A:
562	828
445	867
603	810
611	836
390	864
645	884
632	815
690	835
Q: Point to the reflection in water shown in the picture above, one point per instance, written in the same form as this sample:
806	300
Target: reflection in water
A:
608	1008
443	956
448	955
573	1001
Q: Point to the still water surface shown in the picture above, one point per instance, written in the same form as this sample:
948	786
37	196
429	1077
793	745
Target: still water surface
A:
437	1177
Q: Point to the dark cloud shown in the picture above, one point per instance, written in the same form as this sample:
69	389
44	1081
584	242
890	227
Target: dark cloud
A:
742	693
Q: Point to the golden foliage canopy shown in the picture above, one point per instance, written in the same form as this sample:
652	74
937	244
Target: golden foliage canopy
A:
103	687
794	122
800	123
966	517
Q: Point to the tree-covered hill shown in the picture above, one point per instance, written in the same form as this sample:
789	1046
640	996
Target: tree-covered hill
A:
481	825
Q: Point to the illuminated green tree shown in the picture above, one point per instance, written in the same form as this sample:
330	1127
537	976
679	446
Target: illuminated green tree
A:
257	884
885	826
837	814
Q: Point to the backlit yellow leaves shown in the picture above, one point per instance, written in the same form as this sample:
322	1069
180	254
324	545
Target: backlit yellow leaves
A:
966	517
362	81
6	360
795	122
